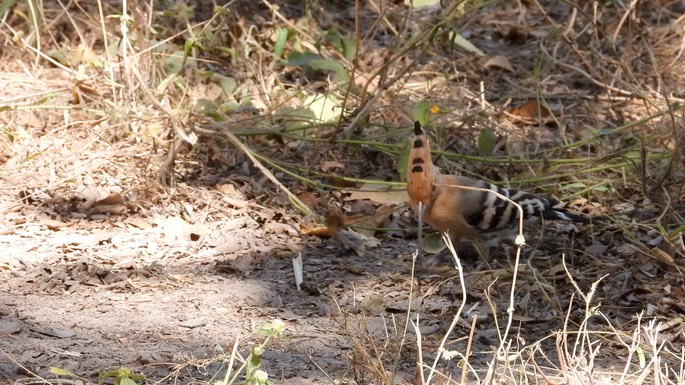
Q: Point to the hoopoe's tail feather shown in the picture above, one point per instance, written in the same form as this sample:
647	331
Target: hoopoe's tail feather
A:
421	173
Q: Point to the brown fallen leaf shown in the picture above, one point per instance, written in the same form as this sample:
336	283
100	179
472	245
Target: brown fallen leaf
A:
309	198
500	62
530	110
329	165
140	223
112	199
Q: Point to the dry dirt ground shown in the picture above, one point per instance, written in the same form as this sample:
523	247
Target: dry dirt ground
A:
103	267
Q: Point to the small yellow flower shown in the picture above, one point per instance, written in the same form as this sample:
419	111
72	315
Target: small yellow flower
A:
435	109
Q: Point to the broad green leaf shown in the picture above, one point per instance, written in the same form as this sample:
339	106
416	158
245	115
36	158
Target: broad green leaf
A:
487	141
421	111
316	62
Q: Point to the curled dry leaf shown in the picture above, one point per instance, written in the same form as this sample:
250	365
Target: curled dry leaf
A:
320	231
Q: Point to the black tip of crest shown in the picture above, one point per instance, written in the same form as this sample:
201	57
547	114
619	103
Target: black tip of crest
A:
417	128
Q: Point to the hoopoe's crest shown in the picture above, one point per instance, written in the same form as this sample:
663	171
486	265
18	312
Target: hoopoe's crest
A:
466	207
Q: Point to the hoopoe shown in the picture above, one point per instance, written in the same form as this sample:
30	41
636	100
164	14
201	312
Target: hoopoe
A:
454	204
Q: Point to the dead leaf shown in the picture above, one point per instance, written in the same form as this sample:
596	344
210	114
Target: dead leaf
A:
112	199
230	190
329	165
320	231
309	198
530	110
500	62
140	223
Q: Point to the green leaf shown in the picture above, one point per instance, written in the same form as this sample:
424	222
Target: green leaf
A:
281	39
345	45
126	381
487	141
173	63
421	111
330	65
317	63
300	59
